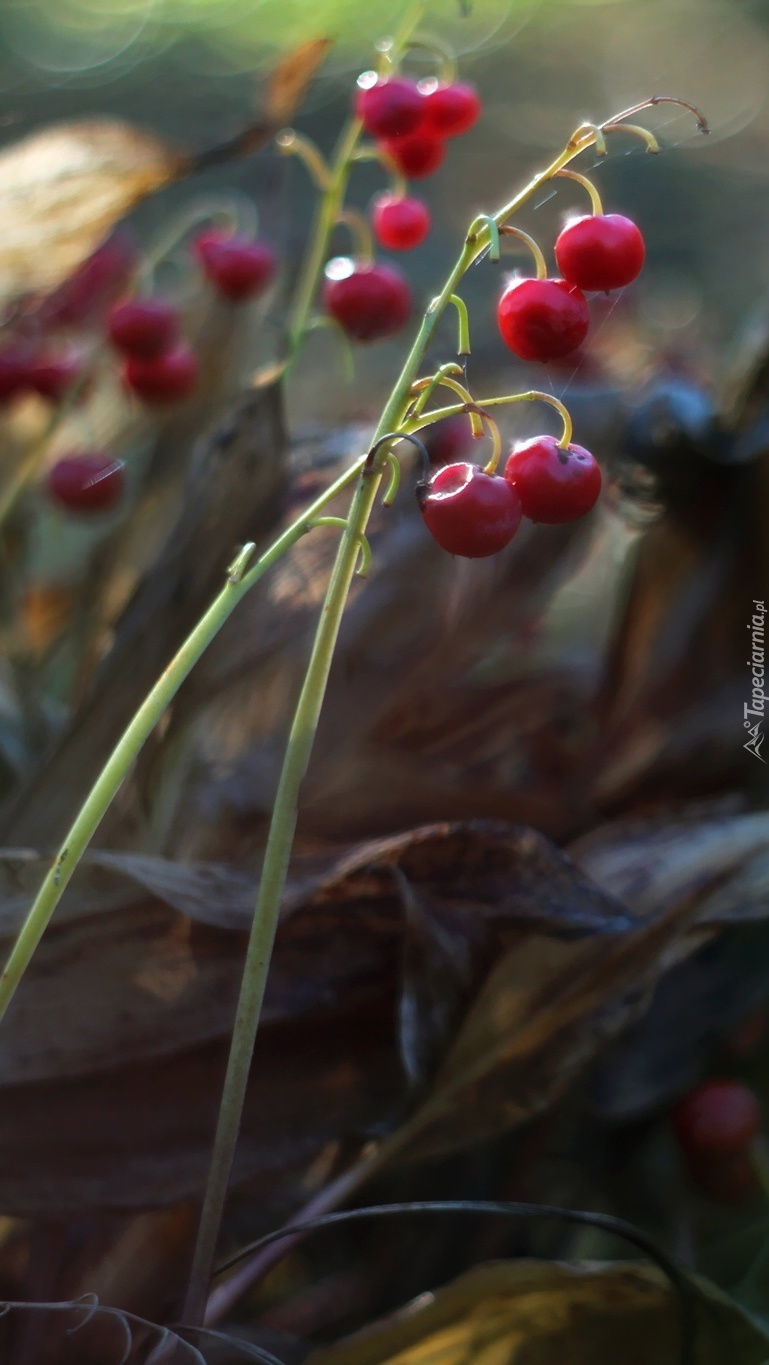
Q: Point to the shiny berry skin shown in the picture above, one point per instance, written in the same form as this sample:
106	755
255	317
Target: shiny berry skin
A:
369	302
390	108
722	1117
169	379
605	251
143	328
87	483
469	513
237	268
554	485
451	110
399	224
417	156
543	319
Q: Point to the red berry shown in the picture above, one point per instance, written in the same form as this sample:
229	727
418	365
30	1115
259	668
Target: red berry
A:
169	379
369	301
728	1179
451	109
143	328
469	512
238	268
399	224
720	1118
90	289
389	108
553	485
605	251
53	375
417	156
87	483
543	319
15	362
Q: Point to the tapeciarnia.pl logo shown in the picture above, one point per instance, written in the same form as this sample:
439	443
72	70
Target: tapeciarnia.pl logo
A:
758	696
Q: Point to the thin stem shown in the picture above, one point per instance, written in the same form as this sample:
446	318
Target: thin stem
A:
463	340
129	746
652	145
425	388
587	184
277	853
328	214
533	246
291	143
532	396
360	233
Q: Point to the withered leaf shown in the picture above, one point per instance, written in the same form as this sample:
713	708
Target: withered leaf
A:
62	189
542	1014
158	991
289	80
545	1313
720	857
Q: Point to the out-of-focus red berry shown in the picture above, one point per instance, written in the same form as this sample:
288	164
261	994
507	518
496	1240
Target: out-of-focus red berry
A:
389	107
144	328
720	1117
87	482
169	379
238	268
368	301
417	156
451	110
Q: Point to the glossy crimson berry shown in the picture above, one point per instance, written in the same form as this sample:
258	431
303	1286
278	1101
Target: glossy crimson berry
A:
469	513
554	485
168	379
543	319
451	110
721	1117
602	251
369	301
399	224
237	267
417	156
87	482
143	328
52	376
389	108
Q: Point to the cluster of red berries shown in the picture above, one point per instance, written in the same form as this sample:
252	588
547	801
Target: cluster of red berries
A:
158	365
411	123
716	1126
472	513
547	319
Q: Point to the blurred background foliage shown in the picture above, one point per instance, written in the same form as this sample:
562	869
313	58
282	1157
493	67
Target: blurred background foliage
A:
191	70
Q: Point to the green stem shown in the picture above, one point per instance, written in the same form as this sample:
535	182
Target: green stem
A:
276	859
129	746
328	213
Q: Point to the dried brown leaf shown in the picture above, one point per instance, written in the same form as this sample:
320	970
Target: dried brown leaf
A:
62	189
721	858
545	1313
289	80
